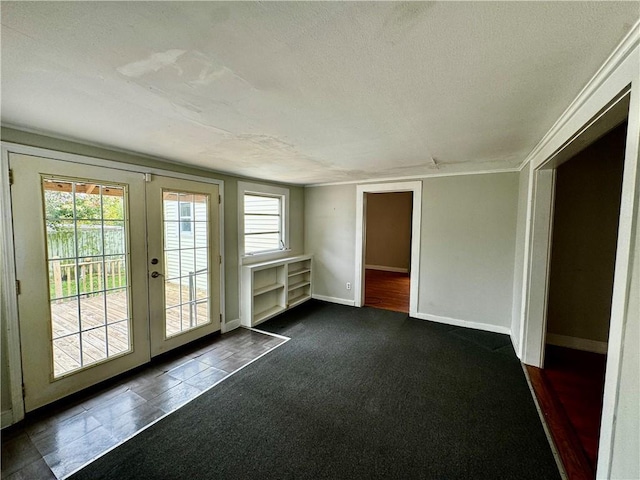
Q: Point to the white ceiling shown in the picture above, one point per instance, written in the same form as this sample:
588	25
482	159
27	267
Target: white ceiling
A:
305	92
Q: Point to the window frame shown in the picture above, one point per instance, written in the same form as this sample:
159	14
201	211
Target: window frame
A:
247	188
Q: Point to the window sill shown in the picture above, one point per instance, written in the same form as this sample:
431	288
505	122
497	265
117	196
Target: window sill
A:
264	256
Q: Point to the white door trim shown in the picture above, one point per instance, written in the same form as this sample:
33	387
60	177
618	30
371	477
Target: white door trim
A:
538	267
416	188
9	299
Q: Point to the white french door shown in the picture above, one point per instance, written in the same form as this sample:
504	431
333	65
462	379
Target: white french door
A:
183	261
93	301
80	258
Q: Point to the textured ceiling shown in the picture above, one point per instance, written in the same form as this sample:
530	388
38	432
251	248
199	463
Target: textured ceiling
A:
305	92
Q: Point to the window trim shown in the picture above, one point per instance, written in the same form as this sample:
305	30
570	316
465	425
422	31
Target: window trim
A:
268	191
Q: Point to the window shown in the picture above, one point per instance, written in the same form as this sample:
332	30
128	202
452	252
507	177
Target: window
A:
185	217
263	219
262	223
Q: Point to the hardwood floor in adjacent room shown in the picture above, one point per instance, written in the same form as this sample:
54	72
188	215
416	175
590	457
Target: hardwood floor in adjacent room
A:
569	390
387	290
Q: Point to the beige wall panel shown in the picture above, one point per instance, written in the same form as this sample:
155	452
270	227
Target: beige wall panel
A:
388	240
585	231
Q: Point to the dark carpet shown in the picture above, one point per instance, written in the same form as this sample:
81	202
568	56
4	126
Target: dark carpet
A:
356	394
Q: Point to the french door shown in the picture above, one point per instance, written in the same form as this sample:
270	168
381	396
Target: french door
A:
183	261
89	307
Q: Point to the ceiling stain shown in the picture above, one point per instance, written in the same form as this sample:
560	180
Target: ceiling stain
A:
402	19
153	63
306	92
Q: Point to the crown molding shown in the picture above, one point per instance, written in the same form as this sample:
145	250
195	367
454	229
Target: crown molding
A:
416	177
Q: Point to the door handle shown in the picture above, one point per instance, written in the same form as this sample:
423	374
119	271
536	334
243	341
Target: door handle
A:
155	274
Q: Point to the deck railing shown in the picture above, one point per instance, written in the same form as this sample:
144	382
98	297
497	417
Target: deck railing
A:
68	278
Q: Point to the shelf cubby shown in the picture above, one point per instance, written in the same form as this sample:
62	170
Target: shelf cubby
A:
270	288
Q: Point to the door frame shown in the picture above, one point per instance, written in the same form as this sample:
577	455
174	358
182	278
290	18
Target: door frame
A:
537	252
8	292
361	228
542	182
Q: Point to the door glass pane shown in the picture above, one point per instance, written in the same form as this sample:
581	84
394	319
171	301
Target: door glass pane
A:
88	284
114	241
94	345
90	275
90	241
186	226
66	354
118	337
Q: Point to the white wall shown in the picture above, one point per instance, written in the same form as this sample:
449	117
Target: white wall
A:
330	235
467	252
516	315
468	248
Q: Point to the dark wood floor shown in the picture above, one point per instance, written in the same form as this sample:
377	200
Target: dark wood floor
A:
56	440
386	290
569	390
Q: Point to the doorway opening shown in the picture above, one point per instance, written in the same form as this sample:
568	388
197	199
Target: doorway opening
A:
585	220
388	250
583	253
383	269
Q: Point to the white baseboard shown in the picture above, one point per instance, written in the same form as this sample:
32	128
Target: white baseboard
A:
7	418
577	343
339	301
230	325
464	323
386	269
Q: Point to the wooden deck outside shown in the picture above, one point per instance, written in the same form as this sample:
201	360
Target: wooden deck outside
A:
101	340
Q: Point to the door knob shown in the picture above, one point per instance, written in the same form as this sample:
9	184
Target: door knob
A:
155	274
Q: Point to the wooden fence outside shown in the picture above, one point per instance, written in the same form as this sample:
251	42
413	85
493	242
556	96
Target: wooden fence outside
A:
91	241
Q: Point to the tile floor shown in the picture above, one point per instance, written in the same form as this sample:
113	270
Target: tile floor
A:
55	441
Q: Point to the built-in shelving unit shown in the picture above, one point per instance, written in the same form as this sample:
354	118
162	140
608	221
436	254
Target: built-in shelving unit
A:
270	288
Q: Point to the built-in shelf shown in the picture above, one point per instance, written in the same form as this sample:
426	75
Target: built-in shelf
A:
268	313
299	272
270	288
293	286
298	300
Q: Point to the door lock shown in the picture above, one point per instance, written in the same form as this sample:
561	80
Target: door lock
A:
154	261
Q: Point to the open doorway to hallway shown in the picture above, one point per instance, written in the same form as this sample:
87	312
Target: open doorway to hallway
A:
388	250
586	215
